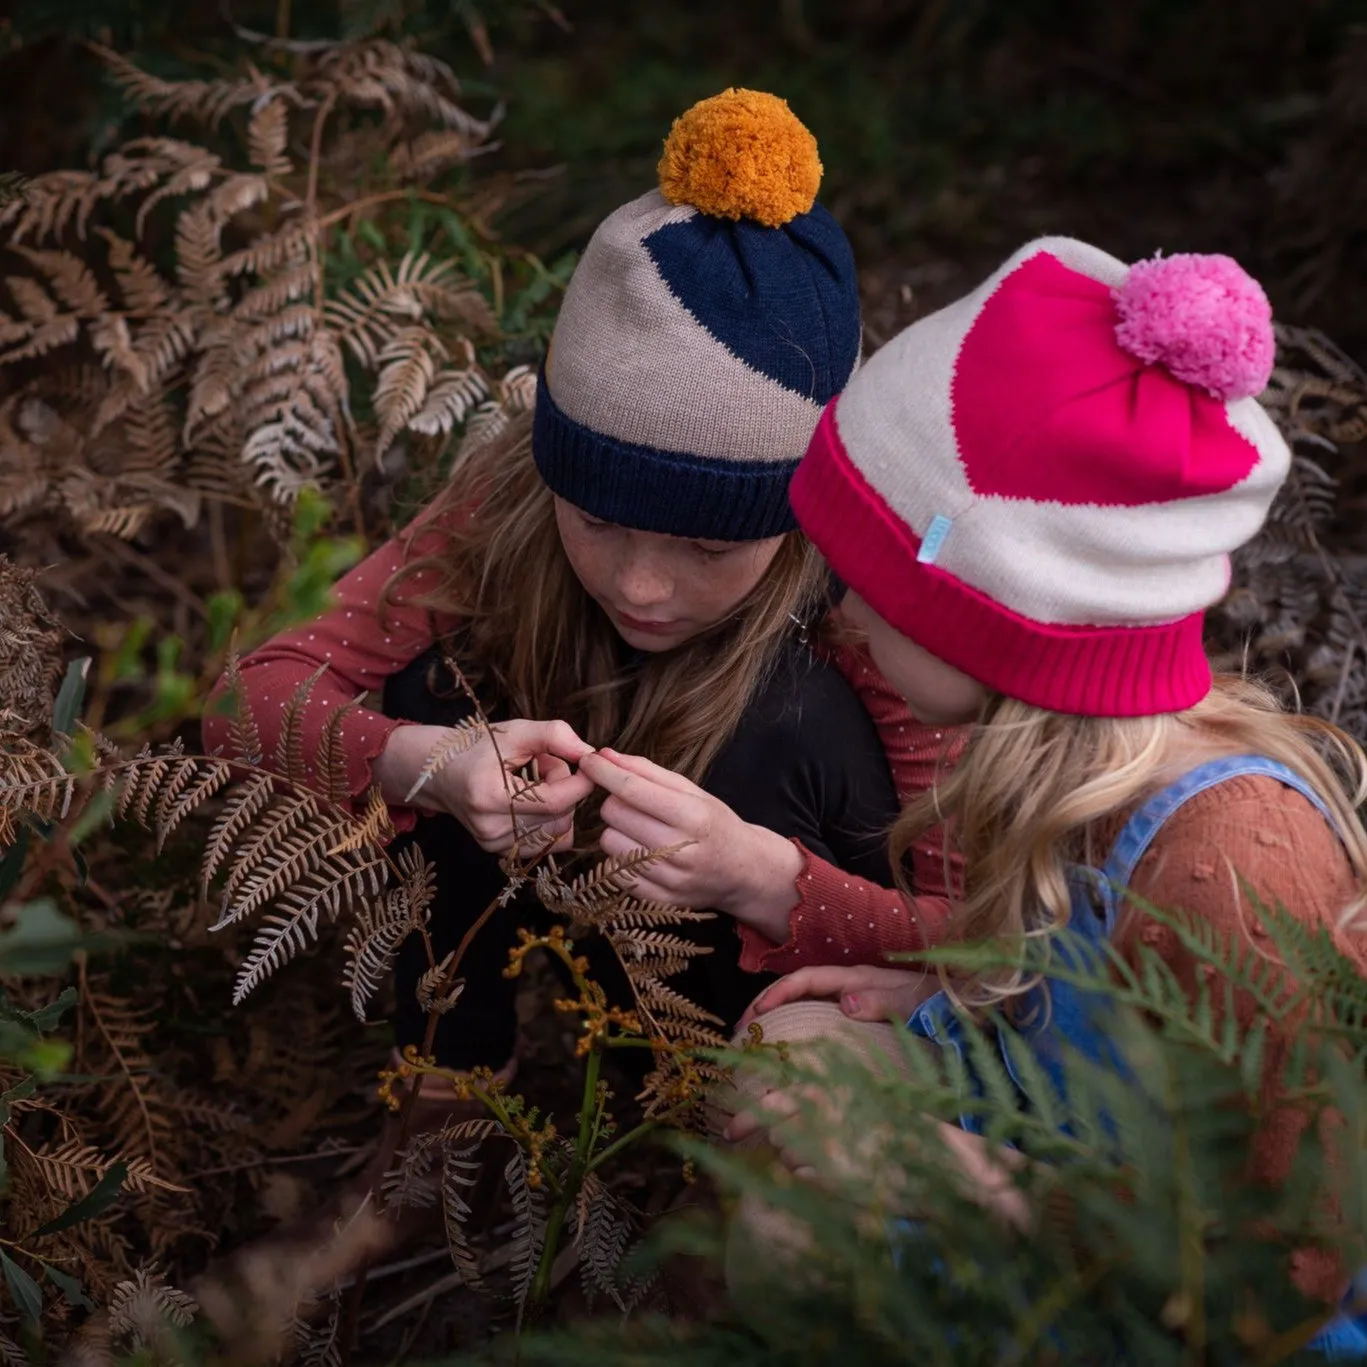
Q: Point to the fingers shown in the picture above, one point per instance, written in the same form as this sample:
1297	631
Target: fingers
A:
886	1003
520	741
636	827
655	799
772	1109
648	769
820	982
554	798
740	1127
551	768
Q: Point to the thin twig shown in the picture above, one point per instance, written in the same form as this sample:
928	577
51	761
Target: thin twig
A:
144	564
359	206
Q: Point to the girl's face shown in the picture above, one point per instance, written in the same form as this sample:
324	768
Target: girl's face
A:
936	692
659	591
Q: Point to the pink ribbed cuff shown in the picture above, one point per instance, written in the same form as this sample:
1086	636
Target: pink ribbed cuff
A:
1091	671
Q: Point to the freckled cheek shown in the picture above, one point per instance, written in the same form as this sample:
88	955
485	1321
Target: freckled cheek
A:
712	591
590	564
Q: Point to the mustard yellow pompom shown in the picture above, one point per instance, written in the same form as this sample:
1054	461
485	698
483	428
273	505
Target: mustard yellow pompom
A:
741	154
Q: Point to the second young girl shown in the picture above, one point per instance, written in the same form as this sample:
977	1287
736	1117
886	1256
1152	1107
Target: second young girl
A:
1033	495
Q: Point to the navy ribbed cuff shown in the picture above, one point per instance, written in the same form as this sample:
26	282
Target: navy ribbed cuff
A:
659	491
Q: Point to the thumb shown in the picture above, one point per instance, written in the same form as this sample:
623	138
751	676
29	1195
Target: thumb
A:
873	1004
551	768
527	739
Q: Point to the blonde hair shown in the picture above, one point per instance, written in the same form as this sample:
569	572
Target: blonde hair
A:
1032	787
531	632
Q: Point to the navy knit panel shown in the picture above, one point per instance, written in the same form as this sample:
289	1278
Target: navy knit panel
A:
783	300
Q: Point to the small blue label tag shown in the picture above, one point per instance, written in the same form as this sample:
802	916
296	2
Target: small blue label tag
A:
934	539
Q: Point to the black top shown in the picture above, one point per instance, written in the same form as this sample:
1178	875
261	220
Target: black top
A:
805	762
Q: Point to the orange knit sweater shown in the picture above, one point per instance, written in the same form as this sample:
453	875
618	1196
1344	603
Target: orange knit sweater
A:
1252	828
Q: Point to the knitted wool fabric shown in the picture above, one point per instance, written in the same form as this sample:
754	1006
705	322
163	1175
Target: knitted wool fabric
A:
1041	483
694	351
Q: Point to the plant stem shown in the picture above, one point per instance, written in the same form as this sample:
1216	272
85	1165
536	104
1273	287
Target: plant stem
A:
359	206
621	1142
580	1167
589	1110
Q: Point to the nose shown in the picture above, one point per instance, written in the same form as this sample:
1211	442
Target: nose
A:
643	581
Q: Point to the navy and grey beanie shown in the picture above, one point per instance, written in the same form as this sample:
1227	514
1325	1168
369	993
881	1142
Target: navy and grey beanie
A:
703	331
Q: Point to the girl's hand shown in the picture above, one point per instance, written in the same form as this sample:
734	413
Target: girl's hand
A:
726	864
471	785
986	1171
866	992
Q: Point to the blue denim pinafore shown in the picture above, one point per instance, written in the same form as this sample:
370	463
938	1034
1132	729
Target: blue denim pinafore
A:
1068	1012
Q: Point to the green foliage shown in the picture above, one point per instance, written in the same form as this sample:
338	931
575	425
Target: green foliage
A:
1145	1241
38	940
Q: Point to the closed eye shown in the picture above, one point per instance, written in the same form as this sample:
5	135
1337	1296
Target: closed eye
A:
713	552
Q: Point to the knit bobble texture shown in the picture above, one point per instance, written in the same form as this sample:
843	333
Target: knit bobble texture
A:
742	154
1203	318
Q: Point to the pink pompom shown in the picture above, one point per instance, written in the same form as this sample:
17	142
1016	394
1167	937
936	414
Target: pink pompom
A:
1202	317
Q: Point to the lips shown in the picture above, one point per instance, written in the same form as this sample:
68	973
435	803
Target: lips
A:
648	628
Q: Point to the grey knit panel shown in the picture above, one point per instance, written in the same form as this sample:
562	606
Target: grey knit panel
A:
629	361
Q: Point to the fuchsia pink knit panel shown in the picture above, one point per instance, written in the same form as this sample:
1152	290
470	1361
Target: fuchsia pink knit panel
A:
1046	403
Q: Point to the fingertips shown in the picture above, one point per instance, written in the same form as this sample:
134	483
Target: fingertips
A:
557	795
740	1127
766	1001
566	742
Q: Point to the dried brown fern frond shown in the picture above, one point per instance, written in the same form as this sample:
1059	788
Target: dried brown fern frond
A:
245	347
380	928
436	994
381	302
143	1307
457	741
411	1181
402	83
278	843
513	396
320	1345
205	101
640	934
603	1235
1298	601
30	649
33	782
432	152
591	896
72	1168
529	1228
140	1120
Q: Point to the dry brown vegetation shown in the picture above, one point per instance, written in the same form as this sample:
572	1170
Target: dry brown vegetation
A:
190	338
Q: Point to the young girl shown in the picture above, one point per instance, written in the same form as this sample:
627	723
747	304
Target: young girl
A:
623	568
1033	495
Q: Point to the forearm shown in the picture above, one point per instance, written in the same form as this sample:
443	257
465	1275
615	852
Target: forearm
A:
766	890
836	918
397	768
347	652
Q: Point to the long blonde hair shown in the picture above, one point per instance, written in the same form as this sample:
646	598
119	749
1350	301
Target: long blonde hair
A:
531	632
1032	788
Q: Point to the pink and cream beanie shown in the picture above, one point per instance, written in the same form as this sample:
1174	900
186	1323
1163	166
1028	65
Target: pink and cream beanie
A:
1041	484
